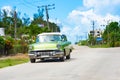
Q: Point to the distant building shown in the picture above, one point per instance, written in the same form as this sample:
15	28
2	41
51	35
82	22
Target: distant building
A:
2	31
96	33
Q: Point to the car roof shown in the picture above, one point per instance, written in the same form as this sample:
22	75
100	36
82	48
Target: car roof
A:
50	33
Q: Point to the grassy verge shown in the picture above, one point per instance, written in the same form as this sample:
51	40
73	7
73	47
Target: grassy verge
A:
13	60
99	46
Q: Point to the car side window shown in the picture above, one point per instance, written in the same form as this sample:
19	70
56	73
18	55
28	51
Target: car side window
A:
64	38
37	39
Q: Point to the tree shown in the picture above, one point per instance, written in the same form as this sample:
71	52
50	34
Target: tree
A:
8	21
2	44
92	40
38	20
34	30
54	27
112	33
24	25
26	20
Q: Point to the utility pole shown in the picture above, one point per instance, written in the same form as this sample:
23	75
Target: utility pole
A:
0	15
47	16
47	7
93	25
86	34
15	24
56	24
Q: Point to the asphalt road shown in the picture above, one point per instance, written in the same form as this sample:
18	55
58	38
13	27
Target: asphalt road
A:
85	64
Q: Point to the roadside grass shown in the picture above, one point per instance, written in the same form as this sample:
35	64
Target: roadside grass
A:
99	46
13	60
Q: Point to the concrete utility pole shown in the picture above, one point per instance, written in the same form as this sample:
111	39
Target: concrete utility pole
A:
56	24
15	24
47	16
0	15
93	25
47	7
86	34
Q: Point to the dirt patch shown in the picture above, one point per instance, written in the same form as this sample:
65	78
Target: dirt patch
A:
17	56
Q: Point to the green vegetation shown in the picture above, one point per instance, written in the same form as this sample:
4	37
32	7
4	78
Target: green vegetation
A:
9	46
10	61
83	42
2	44
20	31
24	25
110	37
26	31
111	34
99	46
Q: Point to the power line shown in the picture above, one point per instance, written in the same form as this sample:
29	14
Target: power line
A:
29	3
47	7
32	3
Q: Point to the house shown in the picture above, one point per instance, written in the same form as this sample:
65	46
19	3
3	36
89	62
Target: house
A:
2	32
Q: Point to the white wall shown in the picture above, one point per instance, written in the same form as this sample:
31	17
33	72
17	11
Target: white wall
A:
2	32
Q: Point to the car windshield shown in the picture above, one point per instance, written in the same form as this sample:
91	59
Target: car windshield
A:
48	38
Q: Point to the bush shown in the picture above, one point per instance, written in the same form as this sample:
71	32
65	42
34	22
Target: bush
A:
2	44
117	44
20	48
84	42
9	43
9	46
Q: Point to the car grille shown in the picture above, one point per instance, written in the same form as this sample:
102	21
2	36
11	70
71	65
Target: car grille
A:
44	53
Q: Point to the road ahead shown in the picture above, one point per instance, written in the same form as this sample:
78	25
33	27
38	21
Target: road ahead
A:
85	64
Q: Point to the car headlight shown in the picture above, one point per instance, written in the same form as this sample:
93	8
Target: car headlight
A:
58	46
31	47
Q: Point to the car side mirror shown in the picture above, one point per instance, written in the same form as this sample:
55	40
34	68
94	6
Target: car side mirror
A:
64	38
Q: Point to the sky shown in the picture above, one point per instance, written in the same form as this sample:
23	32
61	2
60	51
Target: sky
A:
74	17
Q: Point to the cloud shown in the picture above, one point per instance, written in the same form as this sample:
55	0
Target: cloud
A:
103	6
8	9
102	12
72	33
57	21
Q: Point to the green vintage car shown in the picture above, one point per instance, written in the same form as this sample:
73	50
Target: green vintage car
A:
50	46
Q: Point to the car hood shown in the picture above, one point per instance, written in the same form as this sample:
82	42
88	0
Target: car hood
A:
44	46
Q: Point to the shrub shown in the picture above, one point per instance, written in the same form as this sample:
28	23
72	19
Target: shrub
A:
117	44
9	46
9	43
2	44
21	46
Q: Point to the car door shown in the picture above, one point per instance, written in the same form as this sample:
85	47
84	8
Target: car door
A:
66	44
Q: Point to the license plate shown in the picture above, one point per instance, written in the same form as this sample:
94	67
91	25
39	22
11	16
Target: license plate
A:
45	56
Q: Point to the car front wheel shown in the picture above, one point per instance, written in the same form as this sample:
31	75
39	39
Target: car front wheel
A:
68	56
32	60
62	58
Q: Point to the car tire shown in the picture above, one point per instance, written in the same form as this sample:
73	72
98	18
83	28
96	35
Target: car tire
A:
32	60
68	56
62	59
42	59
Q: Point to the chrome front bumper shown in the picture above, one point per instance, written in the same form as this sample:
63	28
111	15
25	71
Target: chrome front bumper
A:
46	54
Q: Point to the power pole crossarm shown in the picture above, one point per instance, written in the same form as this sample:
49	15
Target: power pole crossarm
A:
47	7
47	17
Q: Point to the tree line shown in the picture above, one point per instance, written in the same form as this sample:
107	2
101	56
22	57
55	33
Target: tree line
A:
26	30
110	37
24	24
